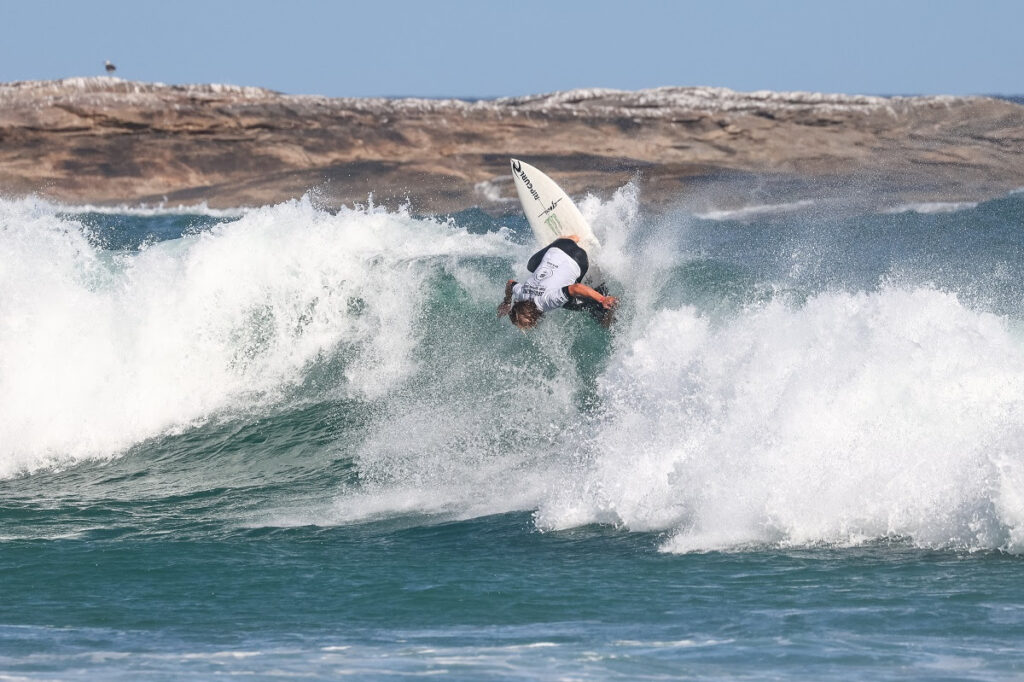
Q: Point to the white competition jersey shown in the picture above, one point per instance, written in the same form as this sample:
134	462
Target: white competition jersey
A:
548	286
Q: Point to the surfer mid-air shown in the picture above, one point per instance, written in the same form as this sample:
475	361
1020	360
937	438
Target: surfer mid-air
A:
559	268
557	271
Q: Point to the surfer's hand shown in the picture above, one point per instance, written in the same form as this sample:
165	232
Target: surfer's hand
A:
609	302
506	304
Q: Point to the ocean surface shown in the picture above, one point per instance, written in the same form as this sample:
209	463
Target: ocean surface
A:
291	442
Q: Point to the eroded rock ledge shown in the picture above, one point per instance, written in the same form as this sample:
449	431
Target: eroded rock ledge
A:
105	140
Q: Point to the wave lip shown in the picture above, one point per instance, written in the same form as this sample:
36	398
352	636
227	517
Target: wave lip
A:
200	209
39	205
928	207
756	210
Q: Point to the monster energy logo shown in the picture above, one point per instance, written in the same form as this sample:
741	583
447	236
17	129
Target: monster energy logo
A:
553	222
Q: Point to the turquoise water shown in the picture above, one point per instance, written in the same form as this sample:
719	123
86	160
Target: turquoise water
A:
294	442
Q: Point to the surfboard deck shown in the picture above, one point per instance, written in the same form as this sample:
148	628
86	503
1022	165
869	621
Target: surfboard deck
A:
552	214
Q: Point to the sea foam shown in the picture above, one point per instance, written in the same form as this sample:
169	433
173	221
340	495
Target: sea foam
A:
100	350
839	416
857	416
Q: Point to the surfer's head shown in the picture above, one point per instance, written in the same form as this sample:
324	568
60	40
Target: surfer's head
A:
524	314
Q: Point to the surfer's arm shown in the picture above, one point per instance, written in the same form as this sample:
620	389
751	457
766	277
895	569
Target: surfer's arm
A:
506	303
587	292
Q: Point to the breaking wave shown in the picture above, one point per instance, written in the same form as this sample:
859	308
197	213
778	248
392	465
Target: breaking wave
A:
737	401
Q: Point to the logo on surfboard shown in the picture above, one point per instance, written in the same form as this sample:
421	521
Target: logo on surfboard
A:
550	208
526	180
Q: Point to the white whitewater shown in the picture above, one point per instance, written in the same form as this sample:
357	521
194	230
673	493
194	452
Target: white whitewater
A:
851	416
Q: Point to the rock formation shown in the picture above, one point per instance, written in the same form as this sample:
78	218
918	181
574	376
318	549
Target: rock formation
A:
106	140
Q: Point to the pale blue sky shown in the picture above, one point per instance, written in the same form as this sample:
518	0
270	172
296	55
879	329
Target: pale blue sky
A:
512	47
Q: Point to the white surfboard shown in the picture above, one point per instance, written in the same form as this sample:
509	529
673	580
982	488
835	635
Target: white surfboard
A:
552	214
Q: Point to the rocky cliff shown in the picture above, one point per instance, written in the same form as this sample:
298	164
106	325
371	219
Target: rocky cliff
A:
105	140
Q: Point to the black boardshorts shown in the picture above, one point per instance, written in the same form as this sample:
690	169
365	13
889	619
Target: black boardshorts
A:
569	248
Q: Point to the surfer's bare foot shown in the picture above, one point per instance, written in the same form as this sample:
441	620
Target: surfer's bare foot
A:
574	237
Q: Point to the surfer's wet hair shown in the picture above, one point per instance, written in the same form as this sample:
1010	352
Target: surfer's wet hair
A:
524	314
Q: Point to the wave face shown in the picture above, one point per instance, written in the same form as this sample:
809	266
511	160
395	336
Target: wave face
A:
773	380
103	349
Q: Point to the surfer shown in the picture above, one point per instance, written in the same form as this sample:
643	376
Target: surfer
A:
558	271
